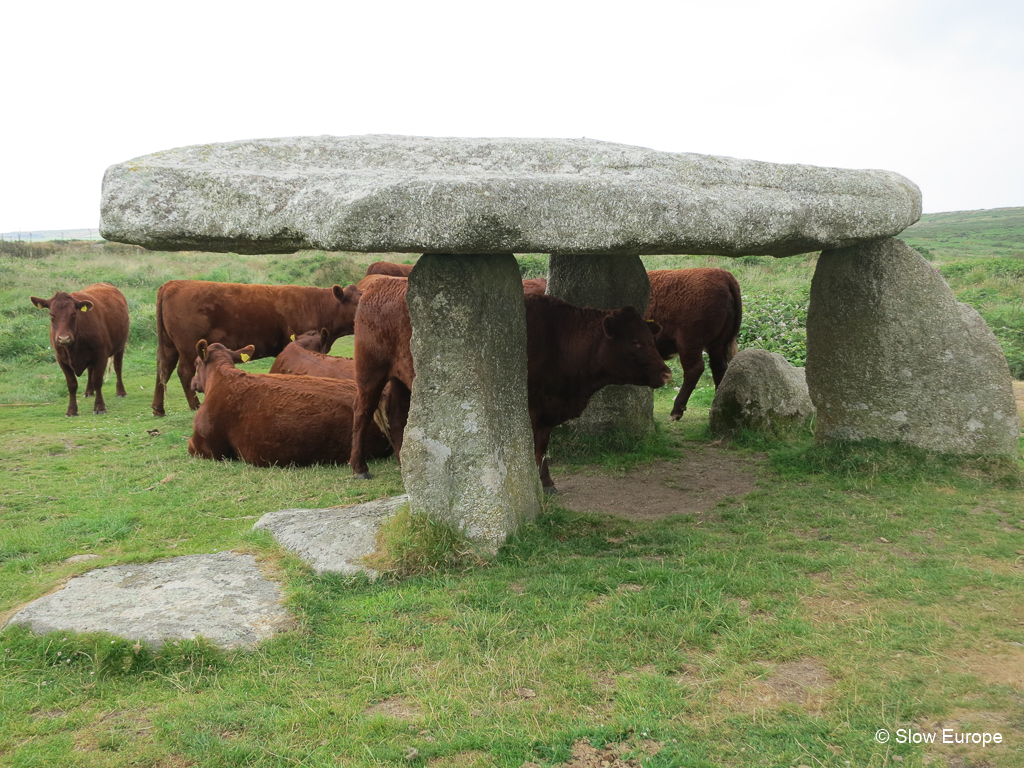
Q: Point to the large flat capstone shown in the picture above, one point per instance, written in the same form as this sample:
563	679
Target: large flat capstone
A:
490	196
222	597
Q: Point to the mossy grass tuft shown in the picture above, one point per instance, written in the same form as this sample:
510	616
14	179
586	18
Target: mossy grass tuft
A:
411	544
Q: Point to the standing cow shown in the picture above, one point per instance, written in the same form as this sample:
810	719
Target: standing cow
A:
698	310
87	328
235	314
389	268
572	352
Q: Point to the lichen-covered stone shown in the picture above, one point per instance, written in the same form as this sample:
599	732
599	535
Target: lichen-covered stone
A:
606	282
761	391
467	456
892	355
478	196
222	597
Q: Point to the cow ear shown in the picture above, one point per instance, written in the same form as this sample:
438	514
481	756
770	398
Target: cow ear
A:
40	303
613	323
84	306
339	293
324	336
655	327
201	346
348	294
245	353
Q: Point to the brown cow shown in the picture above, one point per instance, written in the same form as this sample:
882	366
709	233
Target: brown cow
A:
305	356
572	352
234	314
86	328
272	419
698	310
389	268
535	285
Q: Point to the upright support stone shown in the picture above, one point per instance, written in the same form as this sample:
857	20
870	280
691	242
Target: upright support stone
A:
467	457
607	282
892	355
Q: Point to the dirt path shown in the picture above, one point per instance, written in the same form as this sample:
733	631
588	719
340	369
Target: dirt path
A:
692	485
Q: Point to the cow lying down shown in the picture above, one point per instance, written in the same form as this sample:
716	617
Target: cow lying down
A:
307	355
272	419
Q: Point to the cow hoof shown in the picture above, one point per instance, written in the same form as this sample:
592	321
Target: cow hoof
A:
550	490
99	413
122	394
159	414
69	413
363	476
675	416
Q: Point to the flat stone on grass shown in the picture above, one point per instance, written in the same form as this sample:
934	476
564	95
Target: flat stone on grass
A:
332	540
222	597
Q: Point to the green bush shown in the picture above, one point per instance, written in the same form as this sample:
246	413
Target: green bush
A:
776	321
533	265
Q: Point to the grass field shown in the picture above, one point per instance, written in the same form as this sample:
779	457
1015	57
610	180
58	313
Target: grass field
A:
855	588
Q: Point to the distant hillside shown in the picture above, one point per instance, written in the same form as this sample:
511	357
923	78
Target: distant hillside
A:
52	234
960	234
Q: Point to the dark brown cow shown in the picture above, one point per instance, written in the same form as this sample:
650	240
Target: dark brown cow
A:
389	268
86	328
306	357
572	352
234	314
698	310
272	419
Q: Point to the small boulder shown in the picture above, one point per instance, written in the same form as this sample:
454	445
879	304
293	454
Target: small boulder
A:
763	392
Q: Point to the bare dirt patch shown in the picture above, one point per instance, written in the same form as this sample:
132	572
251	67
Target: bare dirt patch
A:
965	721
692	485
998	666
609	756
395	707
805	683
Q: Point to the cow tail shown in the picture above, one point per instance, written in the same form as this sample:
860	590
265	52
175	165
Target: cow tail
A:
162	339
737	302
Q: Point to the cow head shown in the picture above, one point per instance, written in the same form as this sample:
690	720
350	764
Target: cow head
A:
629	352
210	356
343	321
314	341
64	310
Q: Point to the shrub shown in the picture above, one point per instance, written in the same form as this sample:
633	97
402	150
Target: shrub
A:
777	322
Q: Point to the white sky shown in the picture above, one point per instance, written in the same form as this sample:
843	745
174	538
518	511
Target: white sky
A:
932	89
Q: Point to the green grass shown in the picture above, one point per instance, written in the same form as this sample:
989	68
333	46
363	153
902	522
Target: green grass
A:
893	575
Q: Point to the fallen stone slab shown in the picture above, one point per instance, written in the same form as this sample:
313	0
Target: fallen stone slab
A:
332	540
222	597
761	391
414	194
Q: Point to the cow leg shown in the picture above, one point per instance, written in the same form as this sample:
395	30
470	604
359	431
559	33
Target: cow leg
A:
186	371
693	368
96	372
540	448
72	380
367	397
118	360
399	400
719	362
166	359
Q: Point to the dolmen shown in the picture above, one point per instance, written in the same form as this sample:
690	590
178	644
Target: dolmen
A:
469	205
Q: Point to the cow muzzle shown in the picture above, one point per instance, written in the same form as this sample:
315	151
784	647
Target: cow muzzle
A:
65	341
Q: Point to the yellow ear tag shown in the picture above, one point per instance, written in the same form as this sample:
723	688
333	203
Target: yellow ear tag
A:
293	337
85	309
245	357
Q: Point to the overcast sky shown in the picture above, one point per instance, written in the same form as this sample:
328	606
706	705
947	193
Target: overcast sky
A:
927	88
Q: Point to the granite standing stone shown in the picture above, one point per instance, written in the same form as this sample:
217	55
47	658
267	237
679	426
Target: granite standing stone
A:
892	355
467	456
416	194
760	391
606	282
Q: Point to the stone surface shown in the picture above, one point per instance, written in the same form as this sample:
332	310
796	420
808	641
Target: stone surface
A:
760	391
222	597
333	540
467	456
892	355
478	196
606	282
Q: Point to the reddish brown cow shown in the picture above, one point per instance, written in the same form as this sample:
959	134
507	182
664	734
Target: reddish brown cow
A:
535	285
306	357
272	419
572	352
234	314
389	268
86	328
698	310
